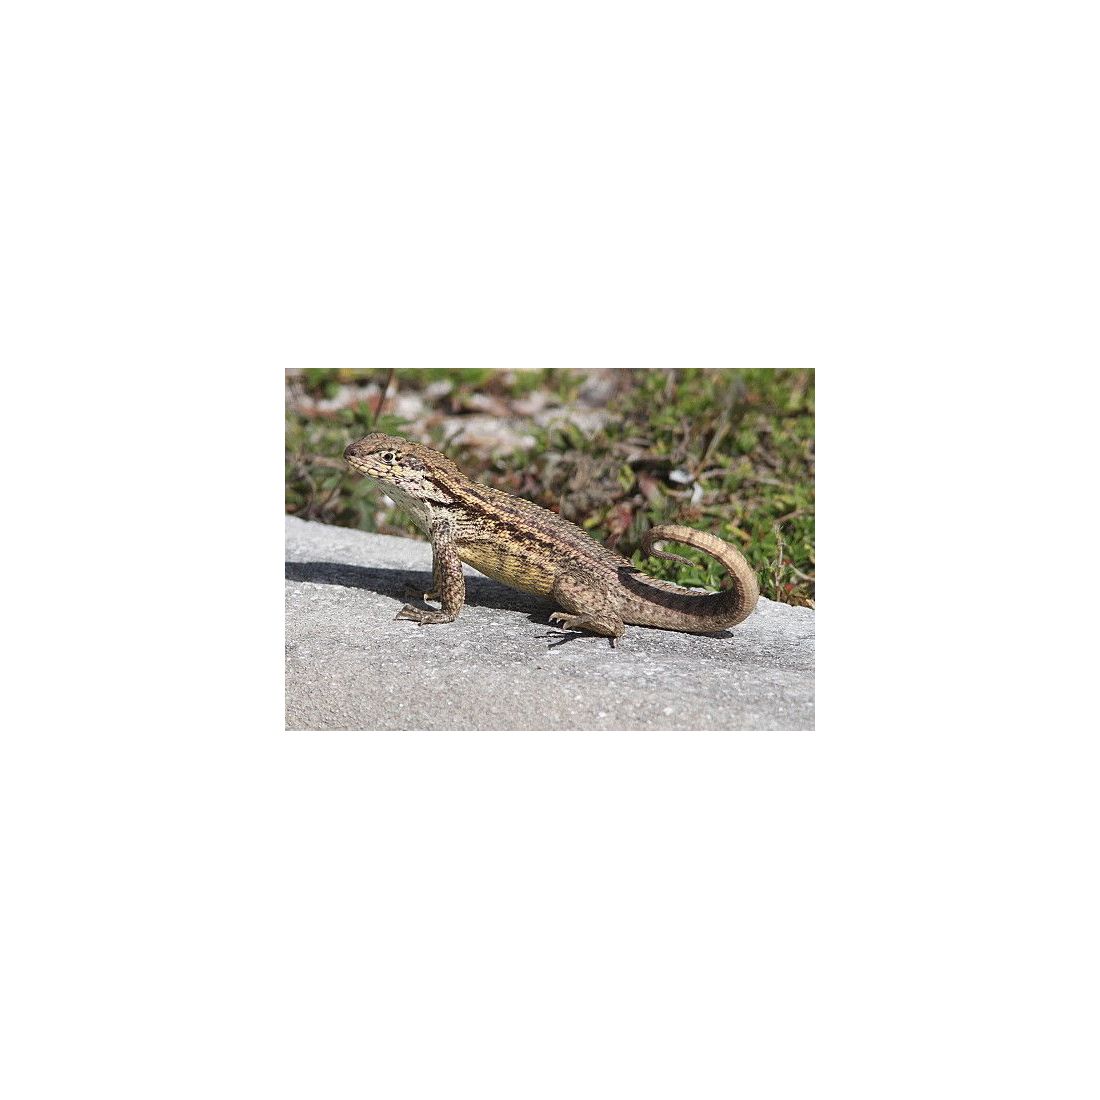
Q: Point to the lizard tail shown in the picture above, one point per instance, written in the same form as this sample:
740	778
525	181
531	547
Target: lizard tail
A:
723	609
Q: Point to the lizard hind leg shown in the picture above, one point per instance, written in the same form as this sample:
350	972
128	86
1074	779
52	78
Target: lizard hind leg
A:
584	612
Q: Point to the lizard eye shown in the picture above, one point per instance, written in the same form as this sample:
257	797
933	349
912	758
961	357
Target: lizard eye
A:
388	456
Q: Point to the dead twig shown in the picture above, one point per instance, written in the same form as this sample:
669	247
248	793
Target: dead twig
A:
777	569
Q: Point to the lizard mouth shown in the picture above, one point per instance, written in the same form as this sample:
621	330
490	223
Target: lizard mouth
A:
354	461
365	469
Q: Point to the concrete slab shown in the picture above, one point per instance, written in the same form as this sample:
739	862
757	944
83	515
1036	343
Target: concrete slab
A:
502	666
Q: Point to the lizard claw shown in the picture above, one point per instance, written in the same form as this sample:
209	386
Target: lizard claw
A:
423	618
566	620
577	622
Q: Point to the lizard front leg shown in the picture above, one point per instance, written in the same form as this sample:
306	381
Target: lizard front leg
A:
450	585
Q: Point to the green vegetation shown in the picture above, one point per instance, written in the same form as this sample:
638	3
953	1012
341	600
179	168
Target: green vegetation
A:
727	451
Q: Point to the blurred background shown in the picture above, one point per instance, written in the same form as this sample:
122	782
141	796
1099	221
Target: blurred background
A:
614	451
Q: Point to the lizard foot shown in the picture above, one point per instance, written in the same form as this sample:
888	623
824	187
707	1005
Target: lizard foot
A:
613	631
415	615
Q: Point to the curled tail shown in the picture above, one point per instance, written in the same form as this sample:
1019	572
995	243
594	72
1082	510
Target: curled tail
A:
700	611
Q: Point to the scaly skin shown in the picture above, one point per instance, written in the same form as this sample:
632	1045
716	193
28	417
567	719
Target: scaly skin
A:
532	549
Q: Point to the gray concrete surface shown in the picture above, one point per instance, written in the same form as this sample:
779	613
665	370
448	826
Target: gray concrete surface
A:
502	666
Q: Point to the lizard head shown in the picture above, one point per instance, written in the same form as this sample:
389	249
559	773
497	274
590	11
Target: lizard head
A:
410	472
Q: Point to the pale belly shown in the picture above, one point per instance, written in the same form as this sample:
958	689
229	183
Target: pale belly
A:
510	568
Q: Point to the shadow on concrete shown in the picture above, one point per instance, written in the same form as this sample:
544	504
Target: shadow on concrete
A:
403	583
406	585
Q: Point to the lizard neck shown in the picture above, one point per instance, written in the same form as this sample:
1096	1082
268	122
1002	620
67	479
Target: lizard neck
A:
420	510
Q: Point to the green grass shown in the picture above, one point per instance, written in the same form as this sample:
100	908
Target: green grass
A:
731	452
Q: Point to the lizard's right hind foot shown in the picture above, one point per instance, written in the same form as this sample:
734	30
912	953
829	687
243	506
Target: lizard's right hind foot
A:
608	626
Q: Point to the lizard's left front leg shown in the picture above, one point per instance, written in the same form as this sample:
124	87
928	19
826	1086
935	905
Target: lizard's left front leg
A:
450	585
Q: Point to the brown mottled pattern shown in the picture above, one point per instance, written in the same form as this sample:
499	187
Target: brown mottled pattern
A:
530	548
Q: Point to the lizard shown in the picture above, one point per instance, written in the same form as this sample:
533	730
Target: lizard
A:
528	547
